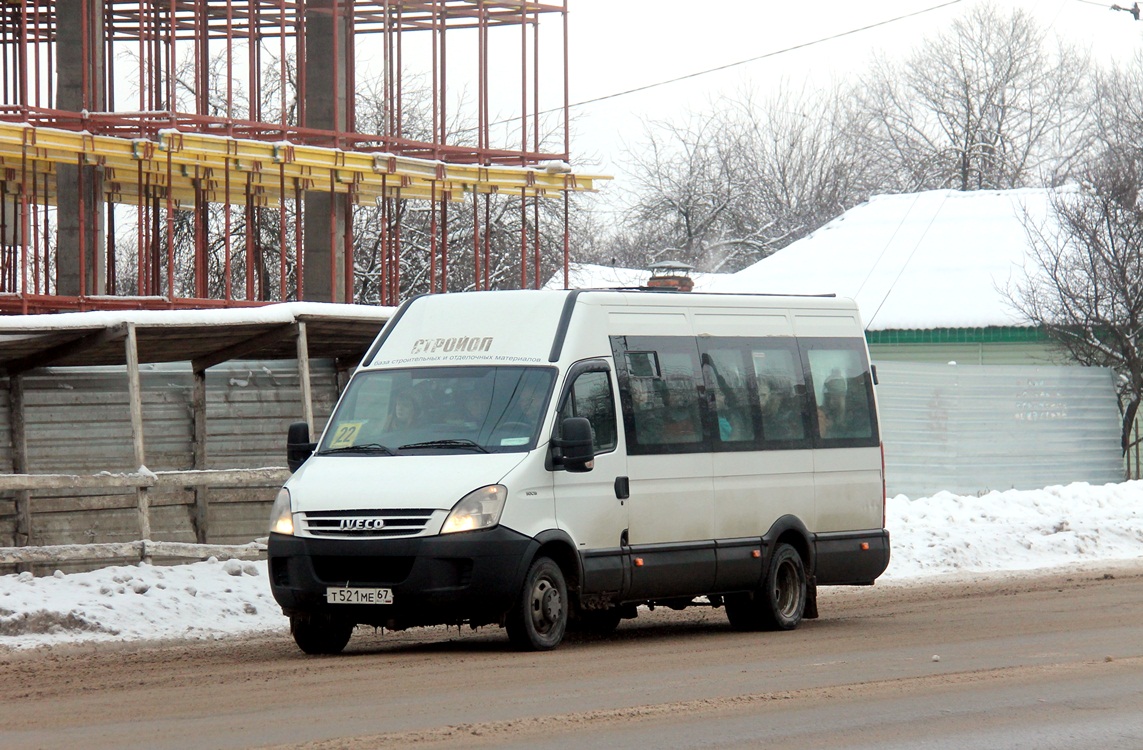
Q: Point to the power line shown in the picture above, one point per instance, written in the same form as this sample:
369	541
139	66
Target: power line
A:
755	59
775	53
750	60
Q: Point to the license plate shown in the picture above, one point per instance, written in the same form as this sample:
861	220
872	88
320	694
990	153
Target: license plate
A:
334	595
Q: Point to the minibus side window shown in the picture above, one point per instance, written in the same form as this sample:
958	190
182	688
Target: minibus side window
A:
728	382
660	380
781	392
843	393
590	396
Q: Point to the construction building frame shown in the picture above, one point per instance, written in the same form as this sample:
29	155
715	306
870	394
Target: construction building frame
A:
186	119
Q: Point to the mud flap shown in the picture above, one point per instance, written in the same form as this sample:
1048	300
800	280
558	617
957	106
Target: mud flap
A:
811	610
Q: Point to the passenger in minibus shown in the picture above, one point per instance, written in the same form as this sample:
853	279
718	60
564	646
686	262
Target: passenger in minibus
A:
842	415
473	409
733	420
679	424
404	415
781	419
832	413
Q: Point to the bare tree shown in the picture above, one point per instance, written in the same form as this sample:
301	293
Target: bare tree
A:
731	185
803	165
1085	284
1117	109
685	183
984	105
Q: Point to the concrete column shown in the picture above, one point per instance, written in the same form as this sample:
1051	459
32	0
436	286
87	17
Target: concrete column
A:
327	45
80	186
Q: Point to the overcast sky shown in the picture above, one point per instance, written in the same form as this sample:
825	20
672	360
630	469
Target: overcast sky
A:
618	45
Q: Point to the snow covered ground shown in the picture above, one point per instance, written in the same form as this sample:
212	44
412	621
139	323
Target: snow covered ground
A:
940	535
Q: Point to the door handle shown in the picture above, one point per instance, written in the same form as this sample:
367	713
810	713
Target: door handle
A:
622	488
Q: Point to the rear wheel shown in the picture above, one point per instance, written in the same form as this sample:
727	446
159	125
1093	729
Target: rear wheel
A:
320	634
780	602
539	618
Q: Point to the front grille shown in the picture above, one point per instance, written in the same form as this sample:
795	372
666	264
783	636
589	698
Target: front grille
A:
366	524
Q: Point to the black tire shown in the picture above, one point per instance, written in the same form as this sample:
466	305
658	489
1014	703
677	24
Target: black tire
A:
320	634
781	601
539	618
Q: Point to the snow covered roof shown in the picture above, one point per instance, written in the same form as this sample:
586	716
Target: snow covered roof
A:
280	312
334	331
938	259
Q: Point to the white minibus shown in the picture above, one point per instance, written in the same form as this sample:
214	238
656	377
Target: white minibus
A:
545	460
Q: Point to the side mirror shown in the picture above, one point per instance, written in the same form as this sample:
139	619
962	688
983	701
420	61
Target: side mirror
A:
298	445
578	452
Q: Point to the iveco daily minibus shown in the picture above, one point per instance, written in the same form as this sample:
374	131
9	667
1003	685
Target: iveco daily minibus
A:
541	460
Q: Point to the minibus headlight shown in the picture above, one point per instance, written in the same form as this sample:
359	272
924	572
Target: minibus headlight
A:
479	509
281	516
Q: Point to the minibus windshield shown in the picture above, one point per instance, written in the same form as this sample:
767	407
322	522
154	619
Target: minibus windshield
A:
430	410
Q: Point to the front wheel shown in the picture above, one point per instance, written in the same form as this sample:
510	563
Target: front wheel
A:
539	618
320	634
781	601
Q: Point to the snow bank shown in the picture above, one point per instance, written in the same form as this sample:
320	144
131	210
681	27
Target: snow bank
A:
939	535
1014	530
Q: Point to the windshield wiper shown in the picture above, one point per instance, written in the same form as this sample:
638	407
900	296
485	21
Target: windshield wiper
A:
361	448
450	443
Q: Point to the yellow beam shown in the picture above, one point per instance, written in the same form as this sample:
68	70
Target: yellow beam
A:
200	159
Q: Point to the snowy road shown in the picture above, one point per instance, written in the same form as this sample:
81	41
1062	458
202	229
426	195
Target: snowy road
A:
1025	660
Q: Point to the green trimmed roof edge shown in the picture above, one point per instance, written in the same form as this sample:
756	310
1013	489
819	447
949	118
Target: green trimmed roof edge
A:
988	335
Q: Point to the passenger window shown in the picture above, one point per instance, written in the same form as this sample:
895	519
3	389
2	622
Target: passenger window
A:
590	396
644	364
728	382
781	393
660	381
669	410
842	391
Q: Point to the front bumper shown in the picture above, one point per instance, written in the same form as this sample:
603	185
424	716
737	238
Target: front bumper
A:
470	577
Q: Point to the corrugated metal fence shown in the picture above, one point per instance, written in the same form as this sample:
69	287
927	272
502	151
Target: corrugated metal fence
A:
971	429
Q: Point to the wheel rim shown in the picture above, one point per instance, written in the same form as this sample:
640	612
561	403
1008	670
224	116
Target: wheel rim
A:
787	589
547	605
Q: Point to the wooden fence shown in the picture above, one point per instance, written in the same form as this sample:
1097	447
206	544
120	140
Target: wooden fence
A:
143	483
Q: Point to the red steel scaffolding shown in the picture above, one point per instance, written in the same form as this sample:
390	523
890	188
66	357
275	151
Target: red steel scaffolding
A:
143	142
